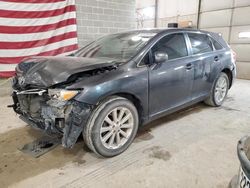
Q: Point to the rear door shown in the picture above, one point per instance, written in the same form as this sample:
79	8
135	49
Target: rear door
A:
203	56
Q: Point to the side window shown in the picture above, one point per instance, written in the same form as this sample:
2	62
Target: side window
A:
200	43
174	45
217	45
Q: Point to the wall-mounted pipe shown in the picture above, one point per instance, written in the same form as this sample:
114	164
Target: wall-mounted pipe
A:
198	14
156	12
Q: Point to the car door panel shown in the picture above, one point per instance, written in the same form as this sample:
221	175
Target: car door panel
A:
170	85
170	82
203	56
202	70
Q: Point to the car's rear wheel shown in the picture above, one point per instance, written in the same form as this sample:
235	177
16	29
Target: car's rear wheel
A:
112	127
219	91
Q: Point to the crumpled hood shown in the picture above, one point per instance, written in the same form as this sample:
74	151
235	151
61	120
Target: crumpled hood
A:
48	71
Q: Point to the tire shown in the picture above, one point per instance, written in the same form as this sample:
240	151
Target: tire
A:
216	99
101	134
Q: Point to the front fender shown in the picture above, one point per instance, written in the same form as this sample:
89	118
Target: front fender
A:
94	94
134	83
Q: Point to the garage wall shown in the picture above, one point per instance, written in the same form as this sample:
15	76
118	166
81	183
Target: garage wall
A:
170	11
230	18
96	18
177	11
142	21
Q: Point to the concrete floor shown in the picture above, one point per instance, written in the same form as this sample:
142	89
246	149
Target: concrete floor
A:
192	148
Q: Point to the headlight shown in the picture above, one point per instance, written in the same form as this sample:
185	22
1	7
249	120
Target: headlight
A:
61	94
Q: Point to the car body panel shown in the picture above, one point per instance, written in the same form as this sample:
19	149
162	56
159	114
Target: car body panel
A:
121	81
169	76
54	70
159	89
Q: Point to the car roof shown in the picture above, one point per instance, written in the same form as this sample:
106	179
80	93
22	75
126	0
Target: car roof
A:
163	30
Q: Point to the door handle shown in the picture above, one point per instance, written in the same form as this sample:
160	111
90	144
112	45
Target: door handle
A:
189	66
216	58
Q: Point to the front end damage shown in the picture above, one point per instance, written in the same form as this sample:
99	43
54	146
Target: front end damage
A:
43	98
64	119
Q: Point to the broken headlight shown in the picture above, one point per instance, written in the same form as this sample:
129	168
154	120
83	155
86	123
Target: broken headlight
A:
62	94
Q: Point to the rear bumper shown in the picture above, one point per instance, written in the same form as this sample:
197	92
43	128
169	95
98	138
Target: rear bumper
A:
234	73
63	119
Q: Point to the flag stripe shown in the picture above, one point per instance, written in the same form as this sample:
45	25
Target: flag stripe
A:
36	43
7	74
16	6
35	1
35	50
36	21
13	60
7	67
36	29
35	14
36	36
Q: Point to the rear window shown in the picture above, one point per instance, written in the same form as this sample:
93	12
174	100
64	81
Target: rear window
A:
200	43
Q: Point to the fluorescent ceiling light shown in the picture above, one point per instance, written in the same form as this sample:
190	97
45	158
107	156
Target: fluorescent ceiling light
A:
244	34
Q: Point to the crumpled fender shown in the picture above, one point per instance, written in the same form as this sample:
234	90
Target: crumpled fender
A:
75	123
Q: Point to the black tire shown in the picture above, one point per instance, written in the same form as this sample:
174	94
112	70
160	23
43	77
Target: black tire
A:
92	131
211	100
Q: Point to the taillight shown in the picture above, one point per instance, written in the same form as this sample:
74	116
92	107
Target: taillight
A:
233	56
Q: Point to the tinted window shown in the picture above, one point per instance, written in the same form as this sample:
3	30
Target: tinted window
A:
174	45
217	45
200	43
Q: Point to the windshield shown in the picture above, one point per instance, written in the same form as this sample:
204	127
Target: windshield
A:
122	46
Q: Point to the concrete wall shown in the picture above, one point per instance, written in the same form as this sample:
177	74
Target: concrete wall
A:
230	17
96	18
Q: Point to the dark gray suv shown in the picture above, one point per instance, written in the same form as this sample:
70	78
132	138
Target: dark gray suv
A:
110	87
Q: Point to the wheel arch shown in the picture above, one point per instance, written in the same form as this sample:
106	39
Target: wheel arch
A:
132	98
229	74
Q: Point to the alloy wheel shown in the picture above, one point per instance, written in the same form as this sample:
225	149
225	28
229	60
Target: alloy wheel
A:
220	89
116	128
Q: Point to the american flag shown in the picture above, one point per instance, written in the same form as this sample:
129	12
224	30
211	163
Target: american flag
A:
35	28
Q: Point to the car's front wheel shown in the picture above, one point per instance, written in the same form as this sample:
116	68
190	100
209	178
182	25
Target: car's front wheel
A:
112	127
219	91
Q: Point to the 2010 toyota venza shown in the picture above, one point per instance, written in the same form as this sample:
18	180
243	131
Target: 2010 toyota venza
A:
110	87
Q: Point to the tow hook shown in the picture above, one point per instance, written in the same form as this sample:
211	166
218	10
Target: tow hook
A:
11	106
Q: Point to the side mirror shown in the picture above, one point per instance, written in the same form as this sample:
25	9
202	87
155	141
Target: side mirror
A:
160	56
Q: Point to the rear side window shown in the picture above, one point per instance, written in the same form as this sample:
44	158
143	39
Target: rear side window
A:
217	46
174	45
200	43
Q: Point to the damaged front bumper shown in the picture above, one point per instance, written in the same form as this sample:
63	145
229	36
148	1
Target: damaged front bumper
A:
65	119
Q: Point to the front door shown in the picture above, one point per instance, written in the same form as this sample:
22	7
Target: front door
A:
170	82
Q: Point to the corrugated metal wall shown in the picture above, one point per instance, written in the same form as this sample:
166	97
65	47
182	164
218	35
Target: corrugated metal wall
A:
230	18
170	11
177	11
